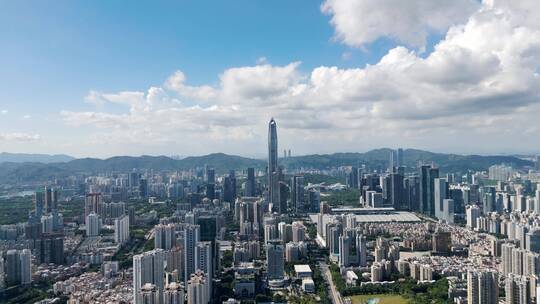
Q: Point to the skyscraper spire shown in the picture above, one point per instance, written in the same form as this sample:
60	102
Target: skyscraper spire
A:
273	171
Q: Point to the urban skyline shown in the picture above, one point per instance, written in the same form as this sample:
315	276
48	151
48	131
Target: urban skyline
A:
315	212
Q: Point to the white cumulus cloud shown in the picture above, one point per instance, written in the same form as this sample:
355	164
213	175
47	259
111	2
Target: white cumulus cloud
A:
358	22
480	84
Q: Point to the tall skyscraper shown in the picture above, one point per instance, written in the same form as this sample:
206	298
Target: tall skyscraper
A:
93	224
143	187
399	157
353	178
210	183
397	198
392	162
517	289
18	267
173	294
192	236
165	236
440	194
51	199
204	262
344	250
197	289
482	287
297	194
250	183
121	229
229	188
275	260
39	203
472	213
428	174
49	249
361	250
314	200
92	203
25	258
148	267
273	170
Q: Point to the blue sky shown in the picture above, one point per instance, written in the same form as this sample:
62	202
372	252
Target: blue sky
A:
55	58
369	73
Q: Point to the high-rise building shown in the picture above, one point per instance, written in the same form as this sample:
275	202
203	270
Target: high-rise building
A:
197	289
344	250
133	179
273	170
298	232
517	289
25	258
314	200
533	240
448	211
47	223
173	294
397	199
191	238
93	224
275	260
270	232
51	199
399	156
284	193
353	178
210	183
472	213
482	287
148	294
361	250
131	214
13	267
250	183
204	261
441	242
428	174
143	187
18	267
229	188
92	203
488	196
39	203
500	172
49	249
506	257
297	194
148	267
165	236
439	195
377	272
121	229
285	232
392	161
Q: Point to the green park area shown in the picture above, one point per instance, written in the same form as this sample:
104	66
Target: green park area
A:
379	299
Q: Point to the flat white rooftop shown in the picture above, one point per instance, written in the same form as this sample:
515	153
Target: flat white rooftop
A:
302	269
382	216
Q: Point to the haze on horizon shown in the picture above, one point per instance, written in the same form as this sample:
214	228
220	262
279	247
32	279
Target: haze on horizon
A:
99	79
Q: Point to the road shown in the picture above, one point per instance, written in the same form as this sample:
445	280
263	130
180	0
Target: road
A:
325	270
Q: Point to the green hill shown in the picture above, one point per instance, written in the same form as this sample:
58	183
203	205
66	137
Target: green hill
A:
11	172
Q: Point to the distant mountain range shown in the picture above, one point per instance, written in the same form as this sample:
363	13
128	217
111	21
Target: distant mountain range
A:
378	159
38	158
34	171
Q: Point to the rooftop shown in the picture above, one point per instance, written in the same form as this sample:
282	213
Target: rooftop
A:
302	268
